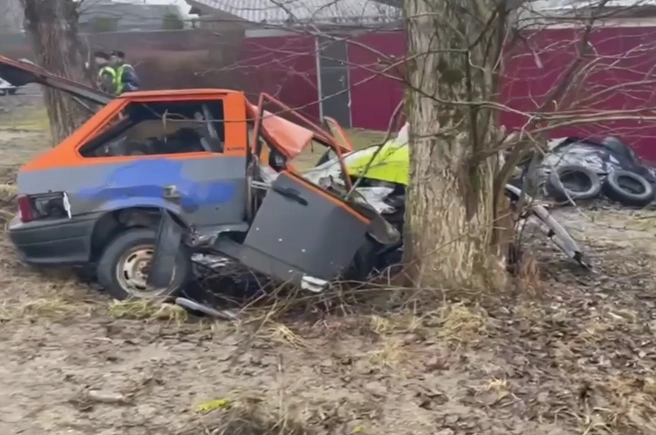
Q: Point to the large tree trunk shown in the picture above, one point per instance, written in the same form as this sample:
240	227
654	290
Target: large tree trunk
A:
451	239
52	27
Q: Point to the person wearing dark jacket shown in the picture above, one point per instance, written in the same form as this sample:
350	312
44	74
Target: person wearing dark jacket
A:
126	77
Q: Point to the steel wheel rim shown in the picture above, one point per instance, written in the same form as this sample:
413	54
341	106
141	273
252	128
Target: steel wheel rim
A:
132	272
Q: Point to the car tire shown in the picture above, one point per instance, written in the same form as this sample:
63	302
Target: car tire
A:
119	256
628	188
12	91
588	180
618	147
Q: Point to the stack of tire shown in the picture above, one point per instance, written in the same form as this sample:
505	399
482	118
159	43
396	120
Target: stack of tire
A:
630	186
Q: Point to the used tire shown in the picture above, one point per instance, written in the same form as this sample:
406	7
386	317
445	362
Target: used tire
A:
573	183
122	268
618	147
628	188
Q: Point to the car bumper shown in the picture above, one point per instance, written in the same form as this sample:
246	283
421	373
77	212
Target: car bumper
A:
53	242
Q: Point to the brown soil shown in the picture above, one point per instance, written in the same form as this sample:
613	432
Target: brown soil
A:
573	353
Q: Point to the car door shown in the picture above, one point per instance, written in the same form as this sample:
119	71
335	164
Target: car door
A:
302	231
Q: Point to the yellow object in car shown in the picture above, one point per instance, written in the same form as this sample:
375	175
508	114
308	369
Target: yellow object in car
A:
391	164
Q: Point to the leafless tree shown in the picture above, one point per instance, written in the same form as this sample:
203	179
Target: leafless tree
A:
456	205
52	28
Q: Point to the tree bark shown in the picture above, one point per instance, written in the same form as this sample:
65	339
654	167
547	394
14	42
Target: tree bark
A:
454	49
52	27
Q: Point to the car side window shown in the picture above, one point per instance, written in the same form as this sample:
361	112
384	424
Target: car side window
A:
161	128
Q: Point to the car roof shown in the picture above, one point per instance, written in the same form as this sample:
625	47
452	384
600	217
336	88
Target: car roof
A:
177	92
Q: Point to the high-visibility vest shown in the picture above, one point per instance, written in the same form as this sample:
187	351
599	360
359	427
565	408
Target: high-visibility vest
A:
106	70
118	79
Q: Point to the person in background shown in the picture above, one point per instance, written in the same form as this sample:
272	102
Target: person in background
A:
106	79
126	79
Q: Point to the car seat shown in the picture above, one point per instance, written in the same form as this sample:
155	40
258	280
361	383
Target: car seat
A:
209	138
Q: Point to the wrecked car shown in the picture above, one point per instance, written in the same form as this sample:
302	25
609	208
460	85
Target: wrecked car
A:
382	174
155	176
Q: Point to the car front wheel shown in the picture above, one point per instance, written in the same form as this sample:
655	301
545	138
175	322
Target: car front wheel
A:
124	266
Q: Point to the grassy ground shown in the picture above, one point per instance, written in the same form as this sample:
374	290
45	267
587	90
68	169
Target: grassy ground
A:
18	120
569	352
359	139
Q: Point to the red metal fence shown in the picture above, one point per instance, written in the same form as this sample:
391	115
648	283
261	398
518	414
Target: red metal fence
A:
618	77
376	87
283	66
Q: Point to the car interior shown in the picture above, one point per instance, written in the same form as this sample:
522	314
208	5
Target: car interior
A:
161	128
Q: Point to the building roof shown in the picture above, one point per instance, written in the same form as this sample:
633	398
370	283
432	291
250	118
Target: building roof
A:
306	11
548	11
576	4
132	16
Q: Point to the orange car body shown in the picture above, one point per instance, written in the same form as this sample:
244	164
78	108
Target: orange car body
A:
193	155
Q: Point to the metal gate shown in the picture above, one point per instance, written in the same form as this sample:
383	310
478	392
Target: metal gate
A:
333	80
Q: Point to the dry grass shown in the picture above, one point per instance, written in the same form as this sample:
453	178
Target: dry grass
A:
250	417
148	310
389	355
55	309
359	139
26	120
22	136
8	192
54	296
529	276
460	323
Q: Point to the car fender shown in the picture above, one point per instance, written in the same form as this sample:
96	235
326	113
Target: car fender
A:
145	202
107	226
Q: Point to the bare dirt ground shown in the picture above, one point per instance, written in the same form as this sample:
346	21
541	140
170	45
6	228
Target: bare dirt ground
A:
571	353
